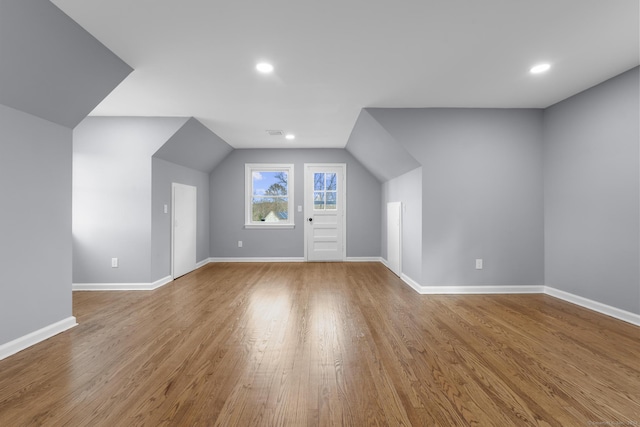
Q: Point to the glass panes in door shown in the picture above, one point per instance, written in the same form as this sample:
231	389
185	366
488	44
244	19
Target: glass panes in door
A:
325	190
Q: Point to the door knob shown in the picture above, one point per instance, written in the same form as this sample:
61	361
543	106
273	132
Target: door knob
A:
310	220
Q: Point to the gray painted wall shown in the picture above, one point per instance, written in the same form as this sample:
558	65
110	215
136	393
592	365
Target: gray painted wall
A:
164	174
35	223
377	150
194	146
51	67
482	194
112	196
592	187
52	74
407	189
227	206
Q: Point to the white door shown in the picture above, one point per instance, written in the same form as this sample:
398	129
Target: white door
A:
394	237
184	231
325	211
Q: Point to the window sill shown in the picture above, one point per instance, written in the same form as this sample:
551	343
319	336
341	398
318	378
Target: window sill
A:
269	226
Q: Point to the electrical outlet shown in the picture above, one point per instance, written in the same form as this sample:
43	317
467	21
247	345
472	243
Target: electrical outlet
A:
479	264
239	243
114	262
166	209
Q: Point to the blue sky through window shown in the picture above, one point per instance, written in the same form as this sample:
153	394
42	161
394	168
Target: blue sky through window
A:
262	180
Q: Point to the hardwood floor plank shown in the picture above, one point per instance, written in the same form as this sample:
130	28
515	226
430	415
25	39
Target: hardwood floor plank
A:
321	344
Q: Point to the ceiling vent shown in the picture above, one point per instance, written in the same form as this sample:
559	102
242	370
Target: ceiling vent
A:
275	132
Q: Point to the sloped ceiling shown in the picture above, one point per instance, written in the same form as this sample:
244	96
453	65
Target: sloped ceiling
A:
377	150
194	146
196	58
51	67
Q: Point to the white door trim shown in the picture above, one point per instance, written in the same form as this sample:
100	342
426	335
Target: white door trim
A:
342	194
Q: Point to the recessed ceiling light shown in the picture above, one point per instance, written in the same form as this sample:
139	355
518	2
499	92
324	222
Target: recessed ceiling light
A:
264	67
540	68
290	136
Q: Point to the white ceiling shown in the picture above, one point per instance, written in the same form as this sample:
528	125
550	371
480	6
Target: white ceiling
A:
334	57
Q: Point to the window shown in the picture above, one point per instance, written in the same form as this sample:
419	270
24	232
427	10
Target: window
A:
269	195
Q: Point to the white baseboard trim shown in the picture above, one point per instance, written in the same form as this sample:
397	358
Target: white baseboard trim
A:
19	344
478	290
255	259
121	286
283	259
202	263
364	259
605	309
412	283
470	290
617	313
161	282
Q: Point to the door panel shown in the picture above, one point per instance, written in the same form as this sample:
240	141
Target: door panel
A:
394	237
325	227
184	232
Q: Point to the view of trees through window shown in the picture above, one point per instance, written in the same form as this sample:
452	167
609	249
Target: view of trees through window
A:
270	197
324	191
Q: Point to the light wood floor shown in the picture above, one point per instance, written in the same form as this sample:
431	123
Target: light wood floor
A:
323	344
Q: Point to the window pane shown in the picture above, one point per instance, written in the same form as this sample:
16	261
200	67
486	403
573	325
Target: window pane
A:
256	178
318	200
281	208
331	181
318	181
331	200
269	209
270	183
260	207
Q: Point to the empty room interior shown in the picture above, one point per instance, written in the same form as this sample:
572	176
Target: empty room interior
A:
420	213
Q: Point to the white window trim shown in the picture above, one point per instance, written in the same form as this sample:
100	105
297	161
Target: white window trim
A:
249	168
